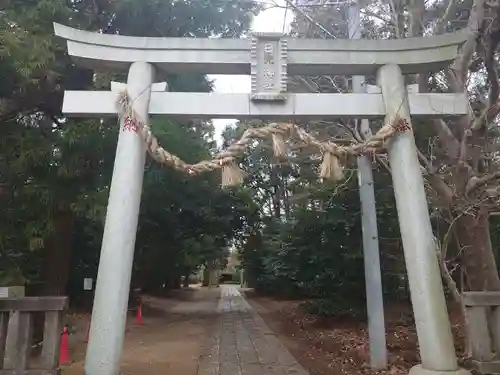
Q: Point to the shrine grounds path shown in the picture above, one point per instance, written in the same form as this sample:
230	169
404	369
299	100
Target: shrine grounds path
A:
200	331
243	344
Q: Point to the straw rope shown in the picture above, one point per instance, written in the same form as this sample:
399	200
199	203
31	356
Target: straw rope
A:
226	159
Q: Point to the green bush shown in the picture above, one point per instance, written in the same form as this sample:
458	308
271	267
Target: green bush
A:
317	256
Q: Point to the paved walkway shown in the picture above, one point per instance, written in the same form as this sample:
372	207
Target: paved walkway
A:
243	344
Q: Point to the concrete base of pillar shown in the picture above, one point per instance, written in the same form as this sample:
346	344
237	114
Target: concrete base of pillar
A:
419	370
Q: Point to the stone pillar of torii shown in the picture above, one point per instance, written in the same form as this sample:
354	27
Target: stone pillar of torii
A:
269	58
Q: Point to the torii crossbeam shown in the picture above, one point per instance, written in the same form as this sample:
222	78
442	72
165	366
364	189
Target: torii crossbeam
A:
187	105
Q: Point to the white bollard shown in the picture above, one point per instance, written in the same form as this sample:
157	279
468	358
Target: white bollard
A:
109	313
437	350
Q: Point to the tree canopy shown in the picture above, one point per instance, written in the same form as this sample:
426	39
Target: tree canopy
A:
56	172
284	253
295	236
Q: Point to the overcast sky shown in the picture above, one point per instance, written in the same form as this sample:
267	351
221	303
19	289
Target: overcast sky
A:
271	20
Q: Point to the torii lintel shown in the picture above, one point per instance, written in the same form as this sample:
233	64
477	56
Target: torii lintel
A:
233	56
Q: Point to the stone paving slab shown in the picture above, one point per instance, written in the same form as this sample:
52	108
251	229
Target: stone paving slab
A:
243	344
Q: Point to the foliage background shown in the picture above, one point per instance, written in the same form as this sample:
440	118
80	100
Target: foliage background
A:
296	238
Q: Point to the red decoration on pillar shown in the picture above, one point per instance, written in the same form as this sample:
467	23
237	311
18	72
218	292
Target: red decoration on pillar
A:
130	124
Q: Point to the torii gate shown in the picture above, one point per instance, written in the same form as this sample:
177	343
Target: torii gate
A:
269	58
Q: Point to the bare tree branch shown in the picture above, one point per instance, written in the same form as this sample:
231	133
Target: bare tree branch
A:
487	116
378	16
449	142
395	15
417	11
435	181
309	18
310	85
463	59
442	255
476	182
446	18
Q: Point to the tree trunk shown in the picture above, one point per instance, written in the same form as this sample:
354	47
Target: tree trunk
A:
176	282
286	203
167	282
57	259
206	277
275	182
477	253
187	274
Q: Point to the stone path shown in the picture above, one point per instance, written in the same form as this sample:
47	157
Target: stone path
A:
243	344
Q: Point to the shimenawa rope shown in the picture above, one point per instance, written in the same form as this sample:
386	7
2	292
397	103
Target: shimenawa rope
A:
331	167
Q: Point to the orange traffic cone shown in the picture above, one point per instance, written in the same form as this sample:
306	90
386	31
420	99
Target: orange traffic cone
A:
138	317
64	349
